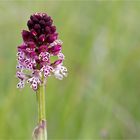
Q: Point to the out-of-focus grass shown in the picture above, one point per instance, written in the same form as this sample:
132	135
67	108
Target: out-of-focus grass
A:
100	97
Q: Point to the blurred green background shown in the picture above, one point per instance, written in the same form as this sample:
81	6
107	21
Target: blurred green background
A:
100	98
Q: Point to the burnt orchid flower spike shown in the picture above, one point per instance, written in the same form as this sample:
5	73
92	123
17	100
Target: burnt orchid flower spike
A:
38	45
34	64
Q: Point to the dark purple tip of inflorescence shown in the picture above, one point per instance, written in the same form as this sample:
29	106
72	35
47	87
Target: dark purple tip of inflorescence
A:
41	29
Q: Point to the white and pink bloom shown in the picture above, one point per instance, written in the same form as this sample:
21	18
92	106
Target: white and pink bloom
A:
40	43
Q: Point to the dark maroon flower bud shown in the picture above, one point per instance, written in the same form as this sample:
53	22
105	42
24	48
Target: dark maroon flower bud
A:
55	49
47	30
30	24
42	22
49	23
47	18
51	38
53	29
42	38
27	36
33	32
37	26
33	18
43	30
38	16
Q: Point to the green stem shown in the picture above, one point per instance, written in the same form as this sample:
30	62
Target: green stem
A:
41	113
41	103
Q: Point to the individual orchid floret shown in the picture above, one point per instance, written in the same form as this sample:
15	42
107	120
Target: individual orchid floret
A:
40	43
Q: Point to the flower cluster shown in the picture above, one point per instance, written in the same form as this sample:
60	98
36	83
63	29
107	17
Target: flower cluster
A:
40	45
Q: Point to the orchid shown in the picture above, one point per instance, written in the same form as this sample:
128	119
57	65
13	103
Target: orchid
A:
34	62
40	43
